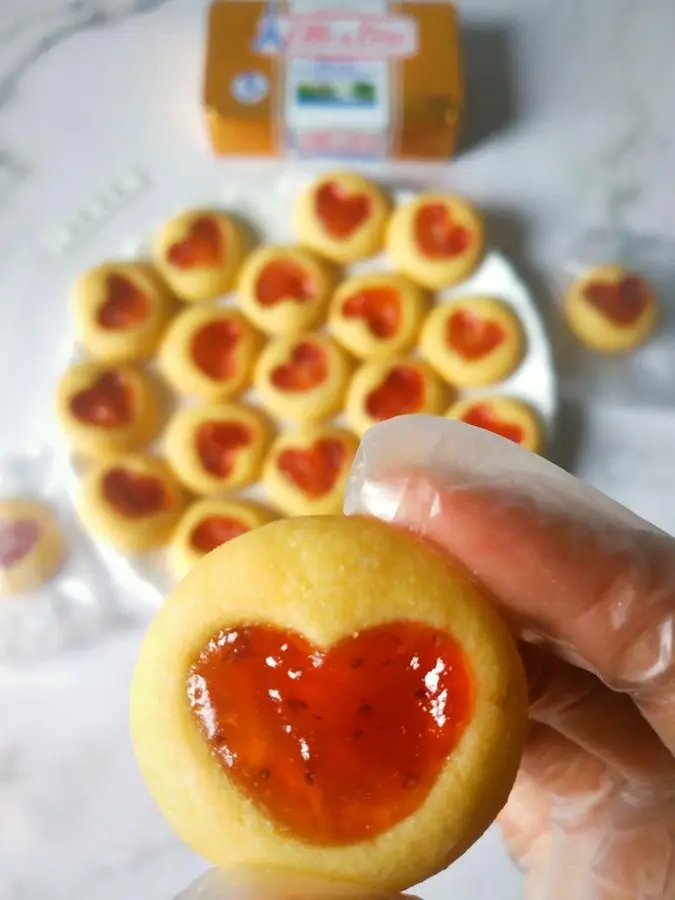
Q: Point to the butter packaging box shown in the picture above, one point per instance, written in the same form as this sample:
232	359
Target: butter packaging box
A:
366	80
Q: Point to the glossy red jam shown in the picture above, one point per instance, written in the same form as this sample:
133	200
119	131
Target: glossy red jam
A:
472	336
218	444
334	745
17	539
125	306
307	368
213	531
202	247
623	302
133	494
283	279
107	403
379	307
341	213
401	393
214	348
316	469
436	235
482	415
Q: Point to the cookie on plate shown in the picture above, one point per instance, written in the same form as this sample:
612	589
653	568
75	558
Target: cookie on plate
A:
508	417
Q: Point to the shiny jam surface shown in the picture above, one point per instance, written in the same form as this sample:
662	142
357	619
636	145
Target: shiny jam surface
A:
334	745
482	415
125	305
17	539
623	302
283	279
307	368
107	403
379	307
133	494
315	469
213	531
218	443
214	348
341	213
472	336
401	393
202	247
436	235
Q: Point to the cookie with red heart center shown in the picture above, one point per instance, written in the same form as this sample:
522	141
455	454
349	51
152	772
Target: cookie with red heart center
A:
284	290
349	691
611	309
342	216
302	378
133	501
377	314
436	239
399	386
216	447
209	352
199	254
120	311
106	410
507	417
206	524
472	341
306	471
32	545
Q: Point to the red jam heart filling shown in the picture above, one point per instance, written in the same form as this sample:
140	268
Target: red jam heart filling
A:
334	745
437	236
214	349
107	403
401	393
218	443
202	247
283	279
125	305
213	531
316	469
623	302
17	539
379	307
471	336
306	369
340	213
133	494
482	415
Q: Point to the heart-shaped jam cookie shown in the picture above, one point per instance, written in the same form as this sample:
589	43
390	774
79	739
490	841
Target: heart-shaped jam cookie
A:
202	247
218	444
622	302
107	403
134	494
316	469
17	539
379	307
436	235
214	348
340	213
213	531
400	393
281	280
472	336
335	745
307	368
125	305
482	415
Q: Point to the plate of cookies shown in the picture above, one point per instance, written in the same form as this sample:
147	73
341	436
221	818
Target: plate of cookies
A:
228	362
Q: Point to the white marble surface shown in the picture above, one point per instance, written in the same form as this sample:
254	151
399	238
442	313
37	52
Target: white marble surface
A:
571	126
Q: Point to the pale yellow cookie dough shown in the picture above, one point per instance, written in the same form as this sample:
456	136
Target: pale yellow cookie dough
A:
342	216
508	417
32	545
106	410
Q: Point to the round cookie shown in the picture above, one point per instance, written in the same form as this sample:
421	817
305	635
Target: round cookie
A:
209	352
120	311
135	502
400	386
302	378
107	410
217	447
306	471
207	524
436	239
32	546
199	254
506	416
472	341
342	216
611	309
347	703
377	314
284	290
